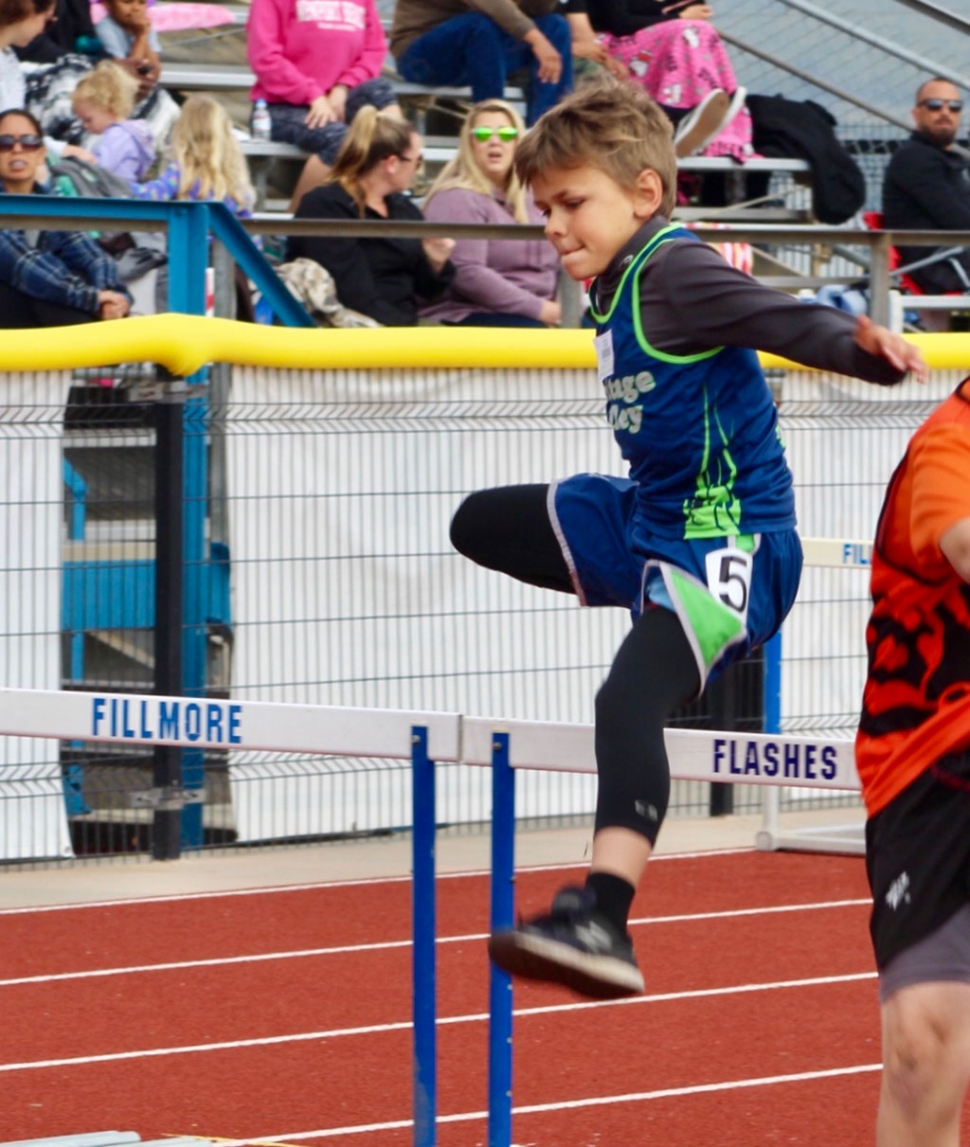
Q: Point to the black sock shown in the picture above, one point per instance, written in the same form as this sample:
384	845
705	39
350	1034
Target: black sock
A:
613	896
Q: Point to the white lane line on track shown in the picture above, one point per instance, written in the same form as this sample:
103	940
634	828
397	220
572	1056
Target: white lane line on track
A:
566	1105
313	886
443	1021
388	945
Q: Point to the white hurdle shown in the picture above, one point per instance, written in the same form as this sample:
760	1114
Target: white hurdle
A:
425	738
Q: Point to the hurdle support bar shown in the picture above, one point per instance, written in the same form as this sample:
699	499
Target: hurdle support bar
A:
502	909
424	932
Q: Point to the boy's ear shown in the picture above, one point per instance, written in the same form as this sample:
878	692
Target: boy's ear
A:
648	195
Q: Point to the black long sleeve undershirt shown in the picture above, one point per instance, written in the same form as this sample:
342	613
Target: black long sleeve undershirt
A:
691	300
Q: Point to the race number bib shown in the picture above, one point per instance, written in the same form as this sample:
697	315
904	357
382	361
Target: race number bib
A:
729	579
604	354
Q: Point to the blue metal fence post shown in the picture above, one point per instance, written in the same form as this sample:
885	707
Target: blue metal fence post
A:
423	943
188	237
503	907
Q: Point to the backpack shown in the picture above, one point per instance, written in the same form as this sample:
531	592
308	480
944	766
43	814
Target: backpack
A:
805	130
71	176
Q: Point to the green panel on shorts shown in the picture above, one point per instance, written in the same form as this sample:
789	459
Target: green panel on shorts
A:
712	624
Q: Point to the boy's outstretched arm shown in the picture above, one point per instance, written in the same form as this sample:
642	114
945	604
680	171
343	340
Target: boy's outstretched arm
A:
883	343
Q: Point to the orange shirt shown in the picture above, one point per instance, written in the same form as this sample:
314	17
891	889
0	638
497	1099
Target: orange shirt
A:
916	703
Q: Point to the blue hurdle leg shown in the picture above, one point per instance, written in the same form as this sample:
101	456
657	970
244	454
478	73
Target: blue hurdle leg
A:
772	684
500	985
423	927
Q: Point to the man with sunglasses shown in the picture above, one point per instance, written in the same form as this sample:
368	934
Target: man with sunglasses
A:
48	278
927	186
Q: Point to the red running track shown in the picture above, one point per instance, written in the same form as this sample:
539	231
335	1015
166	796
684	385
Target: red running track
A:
283	1015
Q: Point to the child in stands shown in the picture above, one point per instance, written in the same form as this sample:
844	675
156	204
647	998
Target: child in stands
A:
103	101
207	162
126	34
699	542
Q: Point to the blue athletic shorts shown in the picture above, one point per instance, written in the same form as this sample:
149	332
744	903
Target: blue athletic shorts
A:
731	594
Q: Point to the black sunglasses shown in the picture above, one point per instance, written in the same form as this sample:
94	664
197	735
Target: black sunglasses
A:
27	142
937	105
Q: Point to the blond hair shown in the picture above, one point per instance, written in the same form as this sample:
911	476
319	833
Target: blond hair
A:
610	124
372	137
211	162
463	170
108	87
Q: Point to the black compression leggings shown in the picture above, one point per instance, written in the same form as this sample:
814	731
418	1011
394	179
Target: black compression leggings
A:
653	673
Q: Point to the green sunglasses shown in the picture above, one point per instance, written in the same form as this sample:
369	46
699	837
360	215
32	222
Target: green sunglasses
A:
506	134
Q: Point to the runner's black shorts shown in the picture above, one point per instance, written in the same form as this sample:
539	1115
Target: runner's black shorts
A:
918	857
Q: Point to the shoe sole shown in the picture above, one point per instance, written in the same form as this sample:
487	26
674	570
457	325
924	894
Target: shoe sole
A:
705	127
538	958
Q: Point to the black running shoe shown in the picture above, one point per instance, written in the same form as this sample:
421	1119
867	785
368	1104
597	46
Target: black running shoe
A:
574	946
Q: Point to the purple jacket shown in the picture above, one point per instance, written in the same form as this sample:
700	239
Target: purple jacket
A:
497	276
126	149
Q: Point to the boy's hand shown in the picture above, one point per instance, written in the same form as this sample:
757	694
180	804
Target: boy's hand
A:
894	348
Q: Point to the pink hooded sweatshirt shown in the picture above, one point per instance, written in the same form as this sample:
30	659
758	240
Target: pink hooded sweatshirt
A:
299	49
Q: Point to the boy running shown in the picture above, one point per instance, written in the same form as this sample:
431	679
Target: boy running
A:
699	542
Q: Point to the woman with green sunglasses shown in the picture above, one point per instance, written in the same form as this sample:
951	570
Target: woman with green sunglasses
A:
497	282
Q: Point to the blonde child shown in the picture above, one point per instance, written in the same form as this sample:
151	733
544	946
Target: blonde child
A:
207	163
103	101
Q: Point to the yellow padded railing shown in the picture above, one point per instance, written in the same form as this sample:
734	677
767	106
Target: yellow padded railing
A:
185	343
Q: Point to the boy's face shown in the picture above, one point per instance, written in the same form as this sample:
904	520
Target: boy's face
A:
590	217
131	14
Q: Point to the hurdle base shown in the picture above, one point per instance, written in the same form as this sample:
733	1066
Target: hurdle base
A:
848	839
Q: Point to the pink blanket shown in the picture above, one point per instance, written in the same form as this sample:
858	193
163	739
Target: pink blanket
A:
176	17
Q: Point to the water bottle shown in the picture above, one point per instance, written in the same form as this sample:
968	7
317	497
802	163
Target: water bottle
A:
260	125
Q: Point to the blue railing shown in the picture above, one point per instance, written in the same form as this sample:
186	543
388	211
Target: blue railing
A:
188	224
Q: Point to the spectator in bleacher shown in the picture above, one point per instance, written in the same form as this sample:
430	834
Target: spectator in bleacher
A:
317	64
674	53
21	21
127	35
48	278
103	102
498	282
70	30
441	43
927	186
385	279
207	161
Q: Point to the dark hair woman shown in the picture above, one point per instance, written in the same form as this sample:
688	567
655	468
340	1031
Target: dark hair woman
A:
385	279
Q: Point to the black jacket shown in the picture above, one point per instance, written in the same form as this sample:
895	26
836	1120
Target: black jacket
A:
803	129
927	188
625	17
382	278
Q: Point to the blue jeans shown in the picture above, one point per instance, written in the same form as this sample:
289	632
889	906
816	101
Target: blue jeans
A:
472	49
288	126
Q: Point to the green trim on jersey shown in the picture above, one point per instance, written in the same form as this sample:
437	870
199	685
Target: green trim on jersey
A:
702	513
635	264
